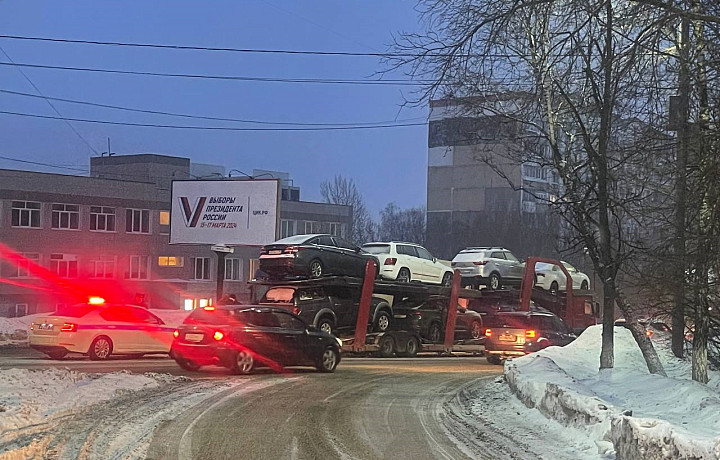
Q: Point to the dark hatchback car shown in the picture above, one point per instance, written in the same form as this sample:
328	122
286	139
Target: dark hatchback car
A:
327	307
518	333
313	256
428	318
244	337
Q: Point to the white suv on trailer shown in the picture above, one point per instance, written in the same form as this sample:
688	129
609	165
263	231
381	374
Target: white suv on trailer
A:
407	262
492	267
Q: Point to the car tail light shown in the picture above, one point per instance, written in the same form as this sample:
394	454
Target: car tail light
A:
488	332
390	261
292	249
296	310
218	335
68	327
176	333
417	314
530	333
32	326
209	308
480	262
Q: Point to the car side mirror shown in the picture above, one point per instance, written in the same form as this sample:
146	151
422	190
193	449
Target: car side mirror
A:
434	259
358	250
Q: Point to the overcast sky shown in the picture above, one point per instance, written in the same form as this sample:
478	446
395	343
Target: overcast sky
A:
388	165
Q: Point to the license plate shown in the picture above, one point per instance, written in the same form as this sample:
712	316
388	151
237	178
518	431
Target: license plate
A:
507	338
194	337
275	251
45	327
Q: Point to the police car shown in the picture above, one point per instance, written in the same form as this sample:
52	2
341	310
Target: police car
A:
99	330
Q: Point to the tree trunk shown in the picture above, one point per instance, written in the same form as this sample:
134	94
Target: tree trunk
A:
652	360
700	341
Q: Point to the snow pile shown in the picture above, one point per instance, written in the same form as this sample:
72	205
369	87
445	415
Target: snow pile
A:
28	397
643	415
14	331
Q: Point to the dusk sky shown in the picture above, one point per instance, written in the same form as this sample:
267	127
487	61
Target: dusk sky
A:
388	165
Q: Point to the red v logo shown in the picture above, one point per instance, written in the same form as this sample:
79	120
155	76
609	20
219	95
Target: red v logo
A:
192	215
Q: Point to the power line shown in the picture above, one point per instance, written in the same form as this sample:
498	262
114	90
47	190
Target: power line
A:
200	117
69	168
222	49
214	128
49	103
227	77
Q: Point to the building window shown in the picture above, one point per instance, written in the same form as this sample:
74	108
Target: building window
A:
202	268
23	266
170	261
102	219
312	227
254	270
164	221
287	228
334	228
138	269
26	214
233	269
66	216
17	310
137	221
103	267
64	265
534	172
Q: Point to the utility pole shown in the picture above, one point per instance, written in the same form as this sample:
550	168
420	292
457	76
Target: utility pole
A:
682	125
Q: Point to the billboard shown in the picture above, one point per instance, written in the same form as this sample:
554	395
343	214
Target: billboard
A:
233	212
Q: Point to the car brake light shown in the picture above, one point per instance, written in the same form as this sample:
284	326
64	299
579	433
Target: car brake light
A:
176	333
32	326
296	310
480	262
488	332
95	300
68	327
417	314
390	261
218	335
530	333
292	249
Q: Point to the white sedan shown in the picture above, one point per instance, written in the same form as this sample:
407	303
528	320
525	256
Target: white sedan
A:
551	277
100	330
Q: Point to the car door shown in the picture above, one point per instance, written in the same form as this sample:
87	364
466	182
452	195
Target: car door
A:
501	263
330	255
433	271
156	335
352	260
262	334
515	267
298	347
343	305
123	328
408	257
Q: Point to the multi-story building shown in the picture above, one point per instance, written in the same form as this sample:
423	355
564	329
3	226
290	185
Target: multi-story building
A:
487	185
108	234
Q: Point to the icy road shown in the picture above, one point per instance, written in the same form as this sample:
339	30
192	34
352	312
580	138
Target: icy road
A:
425	408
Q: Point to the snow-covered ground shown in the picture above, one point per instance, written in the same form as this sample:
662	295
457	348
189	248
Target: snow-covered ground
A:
626	408
14	331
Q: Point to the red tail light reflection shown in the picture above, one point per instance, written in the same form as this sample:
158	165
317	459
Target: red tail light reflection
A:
531	333
488	332
176	333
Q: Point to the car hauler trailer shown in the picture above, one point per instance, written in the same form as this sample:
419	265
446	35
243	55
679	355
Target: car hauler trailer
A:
391	341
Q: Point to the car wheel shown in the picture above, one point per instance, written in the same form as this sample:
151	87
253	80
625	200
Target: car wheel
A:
412	346
584	286
187	364
554	288
403	276
447	279
326	325
382	323
329	360
101	348
316	269
495	283
494	359
476	330
387	347
56	354
244	362
435	333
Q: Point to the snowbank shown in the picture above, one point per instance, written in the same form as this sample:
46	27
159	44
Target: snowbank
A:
28	397
14	331
642	415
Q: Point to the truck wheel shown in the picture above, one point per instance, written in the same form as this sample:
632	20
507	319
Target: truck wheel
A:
326	324
554	288
435	333
411	347
382	323
387	347
495	283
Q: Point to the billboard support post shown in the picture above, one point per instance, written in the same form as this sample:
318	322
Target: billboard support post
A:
220	275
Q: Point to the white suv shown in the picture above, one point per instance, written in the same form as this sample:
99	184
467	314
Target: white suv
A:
407	262
493	267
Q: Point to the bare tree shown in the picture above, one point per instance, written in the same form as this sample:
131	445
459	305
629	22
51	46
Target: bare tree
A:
402	224
344	191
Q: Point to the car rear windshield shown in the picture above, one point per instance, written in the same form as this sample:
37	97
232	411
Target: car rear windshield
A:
278	295
209	316
377	248
509	321
74	311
